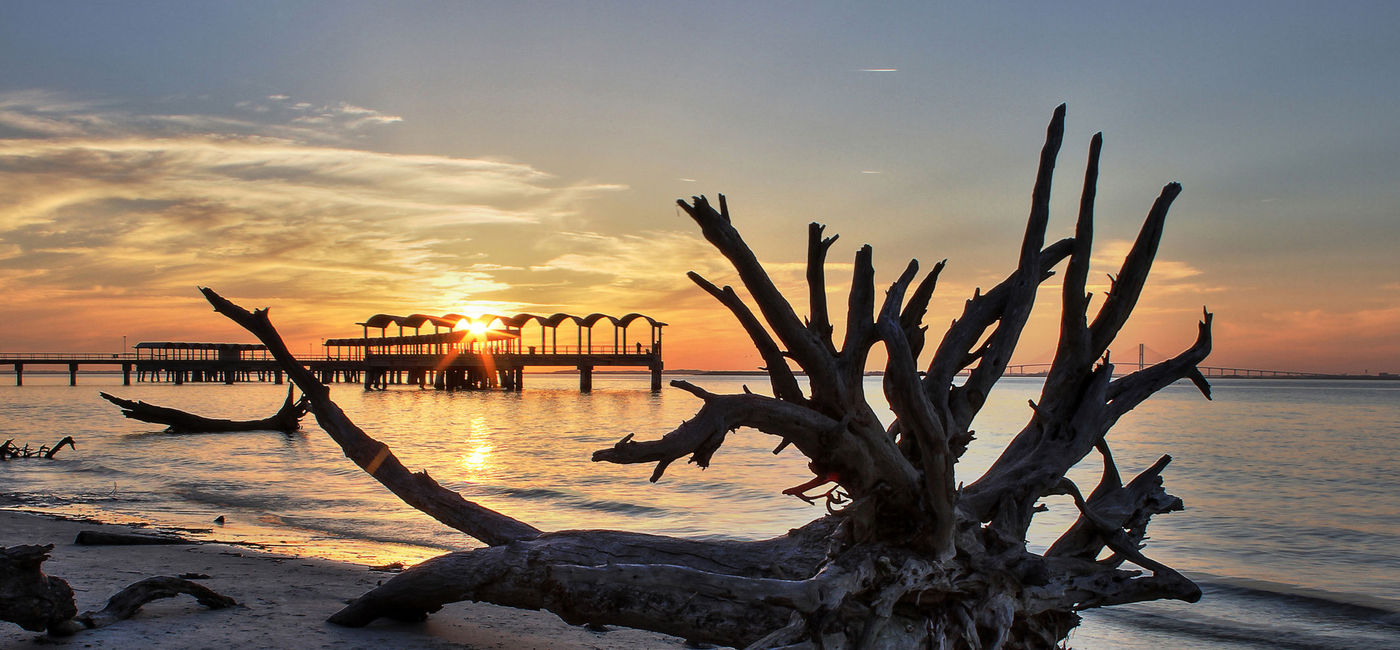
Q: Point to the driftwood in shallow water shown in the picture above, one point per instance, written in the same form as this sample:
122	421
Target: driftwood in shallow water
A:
287	419
39	602
913	558
9	450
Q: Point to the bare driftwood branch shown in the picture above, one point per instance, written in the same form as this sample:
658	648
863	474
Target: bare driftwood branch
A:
128	601
287	418
784	383
910	560
415	488
820	320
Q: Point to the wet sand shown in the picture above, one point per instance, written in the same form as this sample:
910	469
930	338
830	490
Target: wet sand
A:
284	601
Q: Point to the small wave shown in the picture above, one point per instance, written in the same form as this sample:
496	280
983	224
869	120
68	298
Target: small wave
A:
570	499
1253	633
364	530
82	465
247	499
1265	615
48	500
1360	606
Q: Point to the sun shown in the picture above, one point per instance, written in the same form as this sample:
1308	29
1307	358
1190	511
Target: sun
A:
477	328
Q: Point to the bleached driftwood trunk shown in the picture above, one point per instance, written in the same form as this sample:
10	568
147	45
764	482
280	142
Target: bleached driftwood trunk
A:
911	560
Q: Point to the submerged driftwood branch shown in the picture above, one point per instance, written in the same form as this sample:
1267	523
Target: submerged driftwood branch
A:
10	450
287	418
912	560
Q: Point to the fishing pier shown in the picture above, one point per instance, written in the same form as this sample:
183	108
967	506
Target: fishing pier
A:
462	353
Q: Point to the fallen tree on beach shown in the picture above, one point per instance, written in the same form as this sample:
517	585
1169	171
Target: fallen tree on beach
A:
908	557
287	419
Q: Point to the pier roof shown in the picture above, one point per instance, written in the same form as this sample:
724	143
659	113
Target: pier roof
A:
416	321
423	339
181	345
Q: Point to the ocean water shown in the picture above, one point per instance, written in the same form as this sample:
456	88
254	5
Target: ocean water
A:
1292	487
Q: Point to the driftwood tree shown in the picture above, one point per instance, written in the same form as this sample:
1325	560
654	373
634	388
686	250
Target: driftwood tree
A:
913	559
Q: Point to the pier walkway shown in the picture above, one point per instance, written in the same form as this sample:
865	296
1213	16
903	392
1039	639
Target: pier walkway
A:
482	353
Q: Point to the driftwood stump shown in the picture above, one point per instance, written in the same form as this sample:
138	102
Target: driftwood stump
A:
910	557
28	598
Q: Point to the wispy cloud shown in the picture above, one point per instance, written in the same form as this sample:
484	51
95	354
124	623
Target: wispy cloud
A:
632	268
42	113
103	203
1168	275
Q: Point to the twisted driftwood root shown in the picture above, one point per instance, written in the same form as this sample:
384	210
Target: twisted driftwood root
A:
911	558
39	602
287	419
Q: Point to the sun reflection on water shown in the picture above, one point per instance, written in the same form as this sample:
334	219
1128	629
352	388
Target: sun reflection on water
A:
478	458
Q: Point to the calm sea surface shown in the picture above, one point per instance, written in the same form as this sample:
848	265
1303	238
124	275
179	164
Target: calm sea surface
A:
1292	488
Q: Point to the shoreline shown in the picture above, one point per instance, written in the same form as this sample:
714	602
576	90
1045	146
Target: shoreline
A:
284	600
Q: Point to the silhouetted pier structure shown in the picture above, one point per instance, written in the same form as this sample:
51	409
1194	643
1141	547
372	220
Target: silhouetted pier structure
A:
486	352
156	361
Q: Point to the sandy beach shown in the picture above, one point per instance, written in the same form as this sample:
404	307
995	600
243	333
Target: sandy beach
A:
284	601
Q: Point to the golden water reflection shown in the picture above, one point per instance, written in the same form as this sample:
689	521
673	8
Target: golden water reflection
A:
478	457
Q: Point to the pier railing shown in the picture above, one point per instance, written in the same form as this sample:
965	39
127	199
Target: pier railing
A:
64	357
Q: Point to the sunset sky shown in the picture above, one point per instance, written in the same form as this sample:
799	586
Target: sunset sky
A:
333	160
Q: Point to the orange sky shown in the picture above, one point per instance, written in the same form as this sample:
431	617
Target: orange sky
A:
333	165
